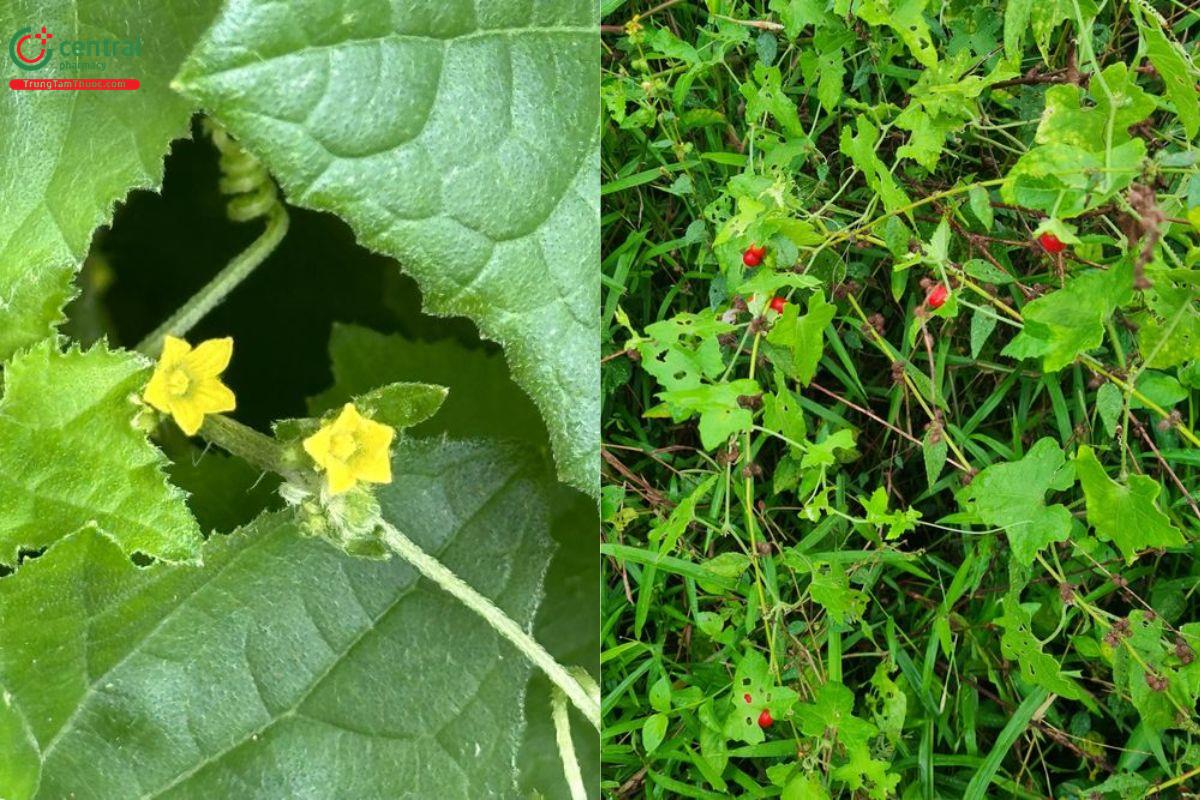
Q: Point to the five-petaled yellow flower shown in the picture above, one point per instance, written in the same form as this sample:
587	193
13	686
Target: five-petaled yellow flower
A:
352	448
186	383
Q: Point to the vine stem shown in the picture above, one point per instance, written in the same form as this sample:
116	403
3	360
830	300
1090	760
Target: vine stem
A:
566	745
503	624
265	453
205	300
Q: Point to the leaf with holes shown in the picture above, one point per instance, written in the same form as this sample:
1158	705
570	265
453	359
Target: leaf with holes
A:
461	140
755	691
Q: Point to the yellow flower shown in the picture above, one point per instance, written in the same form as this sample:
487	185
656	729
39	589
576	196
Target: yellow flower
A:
186	383
352	448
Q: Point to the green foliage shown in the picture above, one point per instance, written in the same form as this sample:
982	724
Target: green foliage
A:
236	677
55	197
1124	513
72	455
203	615
476	135
1012	497
938	492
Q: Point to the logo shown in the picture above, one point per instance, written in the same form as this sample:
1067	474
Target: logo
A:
30	50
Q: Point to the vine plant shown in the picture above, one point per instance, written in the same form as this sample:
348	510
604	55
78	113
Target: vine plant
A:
901	379
350	603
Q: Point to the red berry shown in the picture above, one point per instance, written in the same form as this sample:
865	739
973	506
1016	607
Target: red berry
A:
765	720
937	296
747	697
1051	243
754	255
777	304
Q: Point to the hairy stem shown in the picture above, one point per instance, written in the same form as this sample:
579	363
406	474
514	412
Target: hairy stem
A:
437	572
566	746
220	286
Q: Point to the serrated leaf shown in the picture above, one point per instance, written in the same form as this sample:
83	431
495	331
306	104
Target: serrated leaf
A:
1177	72
1023	648
859	143
21	768
70	455
244	678
934	453
803	336
721	414
1013	496
67	157
1061	325
471	159
907	19
830	588
1124	513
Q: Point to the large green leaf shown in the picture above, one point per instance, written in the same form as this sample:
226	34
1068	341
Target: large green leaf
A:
1061	325
1013	496
1124	513
461	140
70	454
568	623
67	156
284	668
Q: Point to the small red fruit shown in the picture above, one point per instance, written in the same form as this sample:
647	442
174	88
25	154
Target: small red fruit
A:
1051	243
754	255
746	697
777	304
937	296
765	720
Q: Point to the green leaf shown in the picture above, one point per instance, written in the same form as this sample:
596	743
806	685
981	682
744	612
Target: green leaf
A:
832	713
1067	122
1176	69
830	588
1012	496
983	322
977	196
68	157
364	359
21	767
472	159
1016	22
859	145
1124	514
752	679
245	678
934	452
1066	180
71	455
1109	404
660	695
803	336
721	414
907	19
1168	332
1019	645
1061	325
654	729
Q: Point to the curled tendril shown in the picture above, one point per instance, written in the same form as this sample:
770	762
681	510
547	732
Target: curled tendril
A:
243	177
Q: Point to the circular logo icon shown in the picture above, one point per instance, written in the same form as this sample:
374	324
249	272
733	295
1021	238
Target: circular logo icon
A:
30	50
